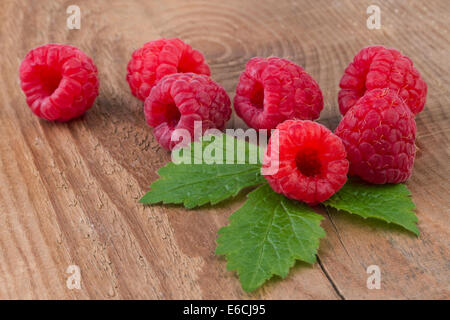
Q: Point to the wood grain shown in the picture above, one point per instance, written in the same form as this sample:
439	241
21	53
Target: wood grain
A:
69	191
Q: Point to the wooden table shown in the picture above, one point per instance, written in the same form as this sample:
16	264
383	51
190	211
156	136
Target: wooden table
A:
69	191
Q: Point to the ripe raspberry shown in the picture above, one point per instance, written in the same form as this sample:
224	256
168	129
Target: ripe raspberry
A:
311	161
180	99
273	90
59	81
378	134
380	67
159	58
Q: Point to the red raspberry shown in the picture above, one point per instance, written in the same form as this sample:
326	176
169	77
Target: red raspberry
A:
378	134
59	81
273	90
311	161
159	58
180	99
380	67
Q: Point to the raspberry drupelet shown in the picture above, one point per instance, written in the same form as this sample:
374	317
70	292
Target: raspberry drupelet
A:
272	90
379	67
59	81
310	160
180	99
159	58
379	134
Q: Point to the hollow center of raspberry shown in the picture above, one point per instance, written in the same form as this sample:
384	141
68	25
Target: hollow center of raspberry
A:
187	64
49	79
257	96
172	114
308	162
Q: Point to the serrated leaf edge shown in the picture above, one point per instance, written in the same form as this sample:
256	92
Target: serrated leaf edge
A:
273	273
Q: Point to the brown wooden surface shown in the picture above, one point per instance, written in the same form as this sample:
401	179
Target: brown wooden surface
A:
69	191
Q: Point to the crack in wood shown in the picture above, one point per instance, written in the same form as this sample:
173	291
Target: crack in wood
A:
333	284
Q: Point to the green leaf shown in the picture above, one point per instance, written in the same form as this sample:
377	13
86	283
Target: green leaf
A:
204	176
266	235
390	202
